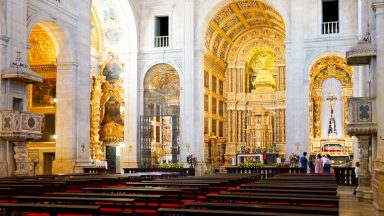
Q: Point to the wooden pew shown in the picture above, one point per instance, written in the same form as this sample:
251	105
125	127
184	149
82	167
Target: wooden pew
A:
146	198
291	191
280	194
200	212
106	201
262	208
169	194
53	210
334	202
292	186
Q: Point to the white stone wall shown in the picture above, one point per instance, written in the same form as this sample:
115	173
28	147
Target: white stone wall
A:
68	25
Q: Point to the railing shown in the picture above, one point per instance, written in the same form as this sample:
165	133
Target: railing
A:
161	41
345	176
182	171
330	27
265	172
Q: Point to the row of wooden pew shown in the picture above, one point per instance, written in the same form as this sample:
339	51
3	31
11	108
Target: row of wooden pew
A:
162	194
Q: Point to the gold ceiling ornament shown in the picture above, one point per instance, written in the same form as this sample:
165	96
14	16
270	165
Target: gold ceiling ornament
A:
257	37
236	18
43	50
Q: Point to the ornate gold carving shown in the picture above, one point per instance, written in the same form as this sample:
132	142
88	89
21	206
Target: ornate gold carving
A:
325	68
42	50
260	60
236	18
95	145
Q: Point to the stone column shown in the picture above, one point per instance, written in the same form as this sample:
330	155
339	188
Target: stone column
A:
66	129
378	38
22	163
364	190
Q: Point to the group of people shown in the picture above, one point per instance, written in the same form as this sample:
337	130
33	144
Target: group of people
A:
322	164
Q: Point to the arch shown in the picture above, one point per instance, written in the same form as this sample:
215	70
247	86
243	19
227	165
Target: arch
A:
151	65
59	33
316	56
327	67
213	6
236	19
162	110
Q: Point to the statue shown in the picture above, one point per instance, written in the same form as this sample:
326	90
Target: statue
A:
332	132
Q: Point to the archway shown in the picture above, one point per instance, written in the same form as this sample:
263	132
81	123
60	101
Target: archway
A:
42	58
159	126
330	87
244	83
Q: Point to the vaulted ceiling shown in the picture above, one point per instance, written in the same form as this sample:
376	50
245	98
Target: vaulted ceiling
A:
236	19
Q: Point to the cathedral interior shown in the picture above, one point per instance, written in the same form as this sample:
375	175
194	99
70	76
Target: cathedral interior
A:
141	83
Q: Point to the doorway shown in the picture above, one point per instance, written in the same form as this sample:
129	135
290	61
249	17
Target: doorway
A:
113	158
49	157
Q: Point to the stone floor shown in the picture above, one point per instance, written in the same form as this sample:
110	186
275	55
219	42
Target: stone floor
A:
350	206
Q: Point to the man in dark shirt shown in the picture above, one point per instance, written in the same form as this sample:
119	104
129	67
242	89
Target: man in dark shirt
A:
304	161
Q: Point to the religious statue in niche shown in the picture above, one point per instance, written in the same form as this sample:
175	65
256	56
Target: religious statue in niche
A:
112	112
112	69
48	128
112	124
43	94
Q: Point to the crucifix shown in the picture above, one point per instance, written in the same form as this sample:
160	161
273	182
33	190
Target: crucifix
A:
332	123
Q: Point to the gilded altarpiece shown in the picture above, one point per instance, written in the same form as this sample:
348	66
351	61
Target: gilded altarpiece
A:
245	49
323	69
107	107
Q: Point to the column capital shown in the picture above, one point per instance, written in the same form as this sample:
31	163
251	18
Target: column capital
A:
376	5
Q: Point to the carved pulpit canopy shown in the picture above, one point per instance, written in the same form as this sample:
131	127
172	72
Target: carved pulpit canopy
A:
362	53
21	71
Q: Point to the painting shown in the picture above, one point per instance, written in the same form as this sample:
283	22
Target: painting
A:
112	71
112	112
43	94
48	128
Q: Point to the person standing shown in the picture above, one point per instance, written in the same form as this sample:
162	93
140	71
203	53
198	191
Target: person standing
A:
319	164
304	161
327	164
357	173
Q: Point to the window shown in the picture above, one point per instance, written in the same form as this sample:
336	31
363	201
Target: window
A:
221	87
330	24
214	82
206	79
206	102
161	31
214	106
17	104
214	126
221	108
221	129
